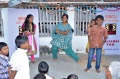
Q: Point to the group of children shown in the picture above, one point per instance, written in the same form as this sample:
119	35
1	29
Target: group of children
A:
18	67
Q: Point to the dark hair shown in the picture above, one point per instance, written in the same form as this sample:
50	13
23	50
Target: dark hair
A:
26	23
43	67
93	20
40	76
2	44
99	16
65	15
20	40
72	76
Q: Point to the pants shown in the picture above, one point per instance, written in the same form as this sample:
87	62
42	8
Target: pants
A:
68	51
98	57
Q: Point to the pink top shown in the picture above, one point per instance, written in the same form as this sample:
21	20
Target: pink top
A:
97	34
24	25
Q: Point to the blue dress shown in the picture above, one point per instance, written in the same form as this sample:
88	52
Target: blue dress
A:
60	40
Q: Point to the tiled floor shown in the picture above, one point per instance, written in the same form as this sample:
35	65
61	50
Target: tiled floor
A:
64	66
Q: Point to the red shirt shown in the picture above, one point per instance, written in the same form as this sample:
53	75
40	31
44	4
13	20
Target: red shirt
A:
97	34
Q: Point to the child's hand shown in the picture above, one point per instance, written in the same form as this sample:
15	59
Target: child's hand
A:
30	47
89	25
57	31
32	33
26	33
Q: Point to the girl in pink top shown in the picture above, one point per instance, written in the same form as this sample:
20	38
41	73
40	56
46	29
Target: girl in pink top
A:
29	29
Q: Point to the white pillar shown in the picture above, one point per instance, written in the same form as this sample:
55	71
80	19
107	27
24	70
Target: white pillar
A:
71	15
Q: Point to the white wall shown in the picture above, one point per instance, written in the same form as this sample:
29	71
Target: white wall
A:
15	23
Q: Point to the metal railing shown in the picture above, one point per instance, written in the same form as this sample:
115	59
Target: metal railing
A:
49	17
1	25
82	18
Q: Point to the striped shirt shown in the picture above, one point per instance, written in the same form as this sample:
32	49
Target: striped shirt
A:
4	64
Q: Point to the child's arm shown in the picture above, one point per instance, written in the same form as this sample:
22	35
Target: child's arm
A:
88	29
64	33
12	75
105	37
33	33
90	35
9	71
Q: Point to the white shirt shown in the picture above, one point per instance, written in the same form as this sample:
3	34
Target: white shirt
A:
20	63
48	77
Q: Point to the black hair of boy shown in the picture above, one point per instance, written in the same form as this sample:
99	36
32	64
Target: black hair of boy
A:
43	67
20	40
72	76
99	16
40	76
2	44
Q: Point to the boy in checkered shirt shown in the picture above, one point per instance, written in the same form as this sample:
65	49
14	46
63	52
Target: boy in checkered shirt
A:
4	61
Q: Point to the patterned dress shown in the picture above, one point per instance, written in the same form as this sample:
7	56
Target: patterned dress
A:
60	40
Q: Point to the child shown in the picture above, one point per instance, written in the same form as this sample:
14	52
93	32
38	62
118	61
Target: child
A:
92	23
72	76
43	68
40	76
96	37
4	61
19	61
29	29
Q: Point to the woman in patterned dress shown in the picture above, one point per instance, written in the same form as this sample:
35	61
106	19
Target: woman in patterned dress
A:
62	38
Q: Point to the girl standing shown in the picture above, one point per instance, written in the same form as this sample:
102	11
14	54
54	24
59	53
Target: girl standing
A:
29	29
62	39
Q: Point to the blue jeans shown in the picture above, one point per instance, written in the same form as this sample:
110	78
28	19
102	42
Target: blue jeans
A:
98	57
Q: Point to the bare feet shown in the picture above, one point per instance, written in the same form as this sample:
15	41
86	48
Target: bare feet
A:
93	60
86	69
79	61
55	59
98	71
33	62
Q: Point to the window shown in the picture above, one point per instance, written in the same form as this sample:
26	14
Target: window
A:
48	17
1	25
82	18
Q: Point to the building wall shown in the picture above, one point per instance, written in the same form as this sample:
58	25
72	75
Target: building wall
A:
78	42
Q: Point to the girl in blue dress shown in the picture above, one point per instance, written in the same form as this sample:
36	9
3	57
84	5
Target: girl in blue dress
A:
62	39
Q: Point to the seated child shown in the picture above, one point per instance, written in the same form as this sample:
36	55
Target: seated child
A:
43	68
19	61
40	76
72	76
4	61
